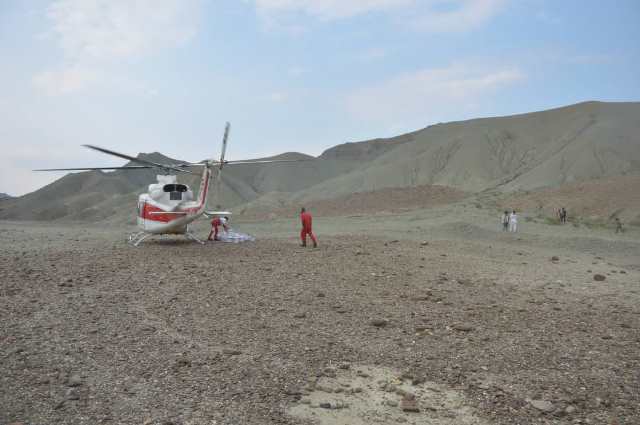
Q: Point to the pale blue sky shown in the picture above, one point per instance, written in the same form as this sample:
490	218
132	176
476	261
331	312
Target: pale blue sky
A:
291	75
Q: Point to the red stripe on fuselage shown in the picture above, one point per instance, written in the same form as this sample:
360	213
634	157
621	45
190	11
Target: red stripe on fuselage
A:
162	218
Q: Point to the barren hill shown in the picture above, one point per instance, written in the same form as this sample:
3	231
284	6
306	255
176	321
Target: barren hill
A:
534	151
522	152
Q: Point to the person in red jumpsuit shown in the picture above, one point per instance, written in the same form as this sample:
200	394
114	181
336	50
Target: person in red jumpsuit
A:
215	224
306	220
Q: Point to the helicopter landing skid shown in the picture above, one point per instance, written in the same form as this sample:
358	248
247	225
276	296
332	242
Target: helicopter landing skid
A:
193	237
136	238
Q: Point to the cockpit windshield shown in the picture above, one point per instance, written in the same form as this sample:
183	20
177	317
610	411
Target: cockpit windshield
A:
175	191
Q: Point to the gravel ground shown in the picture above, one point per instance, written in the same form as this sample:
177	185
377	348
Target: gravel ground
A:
94	331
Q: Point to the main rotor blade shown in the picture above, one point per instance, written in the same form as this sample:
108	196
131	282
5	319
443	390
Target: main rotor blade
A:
134	167
265	161
138	160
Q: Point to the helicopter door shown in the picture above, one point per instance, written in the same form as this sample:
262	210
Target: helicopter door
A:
141	208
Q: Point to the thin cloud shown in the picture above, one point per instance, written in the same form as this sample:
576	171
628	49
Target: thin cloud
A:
65	81
93	34
429	95
427	15
328	9
464	15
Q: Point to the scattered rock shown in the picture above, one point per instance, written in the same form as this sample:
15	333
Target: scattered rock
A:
424	243
542	405
409	406
362	374
72	394
292	391
379	323
320	295
599	277
570	409
555	258
74	380
421	297
331	372
231	352
418	381
301	315
463	328
324	389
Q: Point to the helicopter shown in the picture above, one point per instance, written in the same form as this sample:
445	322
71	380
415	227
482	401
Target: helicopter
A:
169	207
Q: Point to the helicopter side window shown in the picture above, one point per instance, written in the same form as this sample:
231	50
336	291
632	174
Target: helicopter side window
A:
175	191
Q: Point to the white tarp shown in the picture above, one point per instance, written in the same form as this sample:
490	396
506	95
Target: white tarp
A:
235	237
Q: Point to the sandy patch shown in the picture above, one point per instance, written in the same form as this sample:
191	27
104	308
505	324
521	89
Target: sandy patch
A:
365	394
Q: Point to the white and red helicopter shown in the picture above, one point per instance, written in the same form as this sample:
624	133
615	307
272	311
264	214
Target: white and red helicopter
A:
169	207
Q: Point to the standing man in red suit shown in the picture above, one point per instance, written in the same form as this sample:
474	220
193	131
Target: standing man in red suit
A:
306	220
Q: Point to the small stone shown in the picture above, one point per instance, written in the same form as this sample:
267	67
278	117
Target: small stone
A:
424	243
391	403
599	277
379	323
74	380
555	258
362	374
463	328
421	298
72	394
324	389
406	395
409	406
542	405
331	372
301	315
321	295
231	352
570	409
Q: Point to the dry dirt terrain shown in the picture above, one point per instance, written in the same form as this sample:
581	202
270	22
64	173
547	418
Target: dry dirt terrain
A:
424	317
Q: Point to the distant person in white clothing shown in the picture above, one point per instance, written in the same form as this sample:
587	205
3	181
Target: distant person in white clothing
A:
513	222
505	221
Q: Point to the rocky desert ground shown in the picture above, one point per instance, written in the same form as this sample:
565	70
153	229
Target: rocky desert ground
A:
419	317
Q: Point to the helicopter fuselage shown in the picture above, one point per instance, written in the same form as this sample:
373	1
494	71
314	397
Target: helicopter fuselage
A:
169	207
